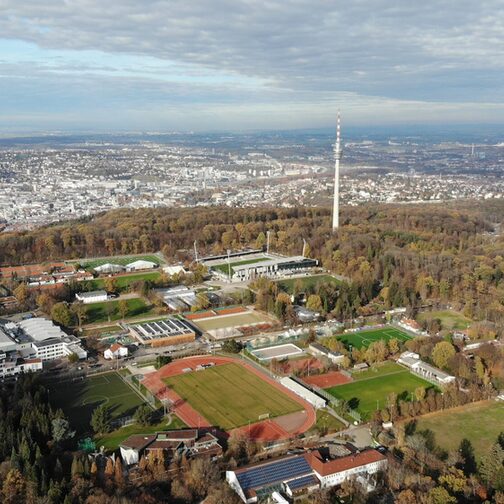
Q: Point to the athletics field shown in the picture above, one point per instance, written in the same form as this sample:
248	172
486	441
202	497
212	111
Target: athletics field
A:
230	396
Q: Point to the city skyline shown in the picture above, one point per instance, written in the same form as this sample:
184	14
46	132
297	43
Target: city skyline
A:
247	65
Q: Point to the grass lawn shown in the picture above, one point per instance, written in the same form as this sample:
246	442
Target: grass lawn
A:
326	421
230	396
97	312
124	281
79	398
365	338
240	319
112	440
224	267
90	264
386	368
308	283
481	423
450	320
368	394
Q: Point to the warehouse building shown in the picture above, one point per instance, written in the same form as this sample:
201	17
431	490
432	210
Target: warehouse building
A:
166	332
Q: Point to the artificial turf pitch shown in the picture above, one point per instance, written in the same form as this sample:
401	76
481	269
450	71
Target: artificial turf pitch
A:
230	396
79	398
362	339
369	394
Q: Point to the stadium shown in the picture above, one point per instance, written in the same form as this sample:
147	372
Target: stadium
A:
244	266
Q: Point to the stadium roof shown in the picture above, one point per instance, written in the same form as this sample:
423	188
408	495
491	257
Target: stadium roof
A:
271	262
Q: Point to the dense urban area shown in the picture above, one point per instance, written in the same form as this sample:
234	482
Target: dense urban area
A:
47	179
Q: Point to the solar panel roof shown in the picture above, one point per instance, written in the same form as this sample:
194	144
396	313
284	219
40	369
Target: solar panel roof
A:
267	474
302	482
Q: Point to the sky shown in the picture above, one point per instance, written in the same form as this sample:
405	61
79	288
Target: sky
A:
200	65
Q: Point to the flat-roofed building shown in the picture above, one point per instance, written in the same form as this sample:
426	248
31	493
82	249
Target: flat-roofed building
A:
315	400
255	482
165	332
97	296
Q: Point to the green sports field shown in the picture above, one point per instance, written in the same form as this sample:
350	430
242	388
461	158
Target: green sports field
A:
224	267
90	264
79	398
363	339
481	423
235	320
230	396
124	281
97	312
371	392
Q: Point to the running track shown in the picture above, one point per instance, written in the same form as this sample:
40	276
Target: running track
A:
267	430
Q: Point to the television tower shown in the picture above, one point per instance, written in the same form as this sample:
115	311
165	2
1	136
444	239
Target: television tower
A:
337	154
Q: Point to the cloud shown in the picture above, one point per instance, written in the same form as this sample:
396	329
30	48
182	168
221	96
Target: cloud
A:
267	53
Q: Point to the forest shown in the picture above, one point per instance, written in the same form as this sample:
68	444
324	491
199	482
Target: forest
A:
396	255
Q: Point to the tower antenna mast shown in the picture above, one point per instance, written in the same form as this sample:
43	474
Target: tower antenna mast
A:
337	154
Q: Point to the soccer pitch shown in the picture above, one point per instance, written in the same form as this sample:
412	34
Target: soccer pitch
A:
224	267
363	339
368	394
79	398
230	396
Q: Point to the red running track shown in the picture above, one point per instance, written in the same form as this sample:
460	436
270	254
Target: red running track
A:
267	430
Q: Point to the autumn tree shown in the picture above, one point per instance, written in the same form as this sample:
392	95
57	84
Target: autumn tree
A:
442	353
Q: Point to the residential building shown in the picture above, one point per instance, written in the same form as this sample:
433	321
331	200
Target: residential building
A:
189	442
115	351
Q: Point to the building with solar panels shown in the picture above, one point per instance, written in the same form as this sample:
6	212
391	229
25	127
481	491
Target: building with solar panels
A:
300	474
166	332
291	475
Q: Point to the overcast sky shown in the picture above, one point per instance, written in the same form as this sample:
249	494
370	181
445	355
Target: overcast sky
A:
245	64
